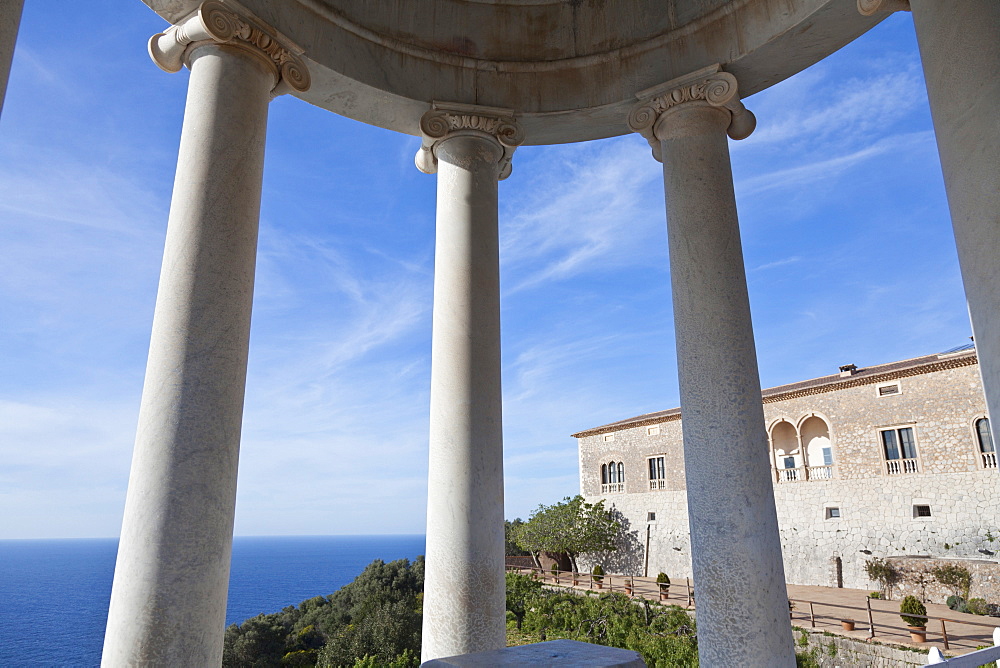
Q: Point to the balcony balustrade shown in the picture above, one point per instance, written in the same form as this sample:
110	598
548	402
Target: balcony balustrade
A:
901	466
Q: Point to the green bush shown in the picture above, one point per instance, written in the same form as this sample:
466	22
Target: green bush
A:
955	602
911	605
598	573
875	594
976	606
663	579
555	568
665	636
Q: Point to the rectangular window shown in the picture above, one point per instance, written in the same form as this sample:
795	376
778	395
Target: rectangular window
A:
657	473
921	511
827	457
653	431
888	390
899	448
832	513
789	462
650	516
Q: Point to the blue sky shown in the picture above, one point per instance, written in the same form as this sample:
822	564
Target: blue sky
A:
848	245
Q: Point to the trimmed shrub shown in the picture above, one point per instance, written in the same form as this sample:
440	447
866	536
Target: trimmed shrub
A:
663	579
598	573
976	606
875	594
911	605
955	602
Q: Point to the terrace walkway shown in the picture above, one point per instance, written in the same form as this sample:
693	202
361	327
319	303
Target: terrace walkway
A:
822	609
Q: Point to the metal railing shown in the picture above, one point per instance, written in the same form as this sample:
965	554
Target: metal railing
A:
900	466
630	585
970	660
868	610
833	614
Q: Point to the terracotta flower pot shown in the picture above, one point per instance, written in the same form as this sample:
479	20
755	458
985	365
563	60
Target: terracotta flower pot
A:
918	633
664	590
848	624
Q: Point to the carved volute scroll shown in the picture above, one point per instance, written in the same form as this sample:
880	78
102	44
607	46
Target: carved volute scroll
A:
709	86
870	7
449	120
215	21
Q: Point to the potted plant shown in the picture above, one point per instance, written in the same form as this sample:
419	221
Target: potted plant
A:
628	587
663	582
909	610
576	578
598	576
848	624
555	572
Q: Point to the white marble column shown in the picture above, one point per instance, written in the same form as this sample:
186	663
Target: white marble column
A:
736	553
168	600
464	592
960	50
10	21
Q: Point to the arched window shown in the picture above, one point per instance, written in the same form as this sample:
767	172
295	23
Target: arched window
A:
818	450
612	477
787	457
986	451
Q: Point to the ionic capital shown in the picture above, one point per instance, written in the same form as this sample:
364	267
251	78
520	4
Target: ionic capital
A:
870	7
447	120
709	87
217	22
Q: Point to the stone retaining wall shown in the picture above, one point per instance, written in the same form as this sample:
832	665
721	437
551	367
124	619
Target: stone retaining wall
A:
839	652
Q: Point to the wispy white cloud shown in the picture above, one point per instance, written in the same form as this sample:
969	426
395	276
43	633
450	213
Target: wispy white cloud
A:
589	211
778	263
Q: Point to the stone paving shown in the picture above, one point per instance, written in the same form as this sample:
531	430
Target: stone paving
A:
828	607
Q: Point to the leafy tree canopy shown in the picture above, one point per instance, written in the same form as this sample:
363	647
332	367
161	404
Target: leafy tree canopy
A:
572	526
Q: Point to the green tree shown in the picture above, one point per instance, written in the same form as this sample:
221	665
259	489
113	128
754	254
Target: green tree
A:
956	576
572	526
511	548
521	592
259	642
884	572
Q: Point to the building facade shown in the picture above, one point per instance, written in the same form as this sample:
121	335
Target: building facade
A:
894	460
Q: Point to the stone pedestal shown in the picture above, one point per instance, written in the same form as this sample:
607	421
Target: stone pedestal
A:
736	553
464	591
10	20
168	601
960	50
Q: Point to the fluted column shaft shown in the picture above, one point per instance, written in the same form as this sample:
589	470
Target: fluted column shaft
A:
464	591
736	553
960	50
168	600
10	21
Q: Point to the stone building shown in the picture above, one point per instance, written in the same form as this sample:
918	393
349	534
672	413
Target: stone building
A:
474	80
893	460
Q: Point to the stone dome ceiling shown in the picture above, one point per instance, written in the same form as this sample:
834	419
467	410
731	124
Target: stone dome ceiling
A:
569	69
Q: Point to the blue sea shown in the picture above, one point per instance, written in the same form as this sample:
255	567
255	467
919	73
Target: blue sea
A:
54	593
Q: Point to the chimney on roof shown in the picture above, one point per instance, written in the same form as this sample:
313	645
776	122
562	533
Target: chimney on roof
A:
848	370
